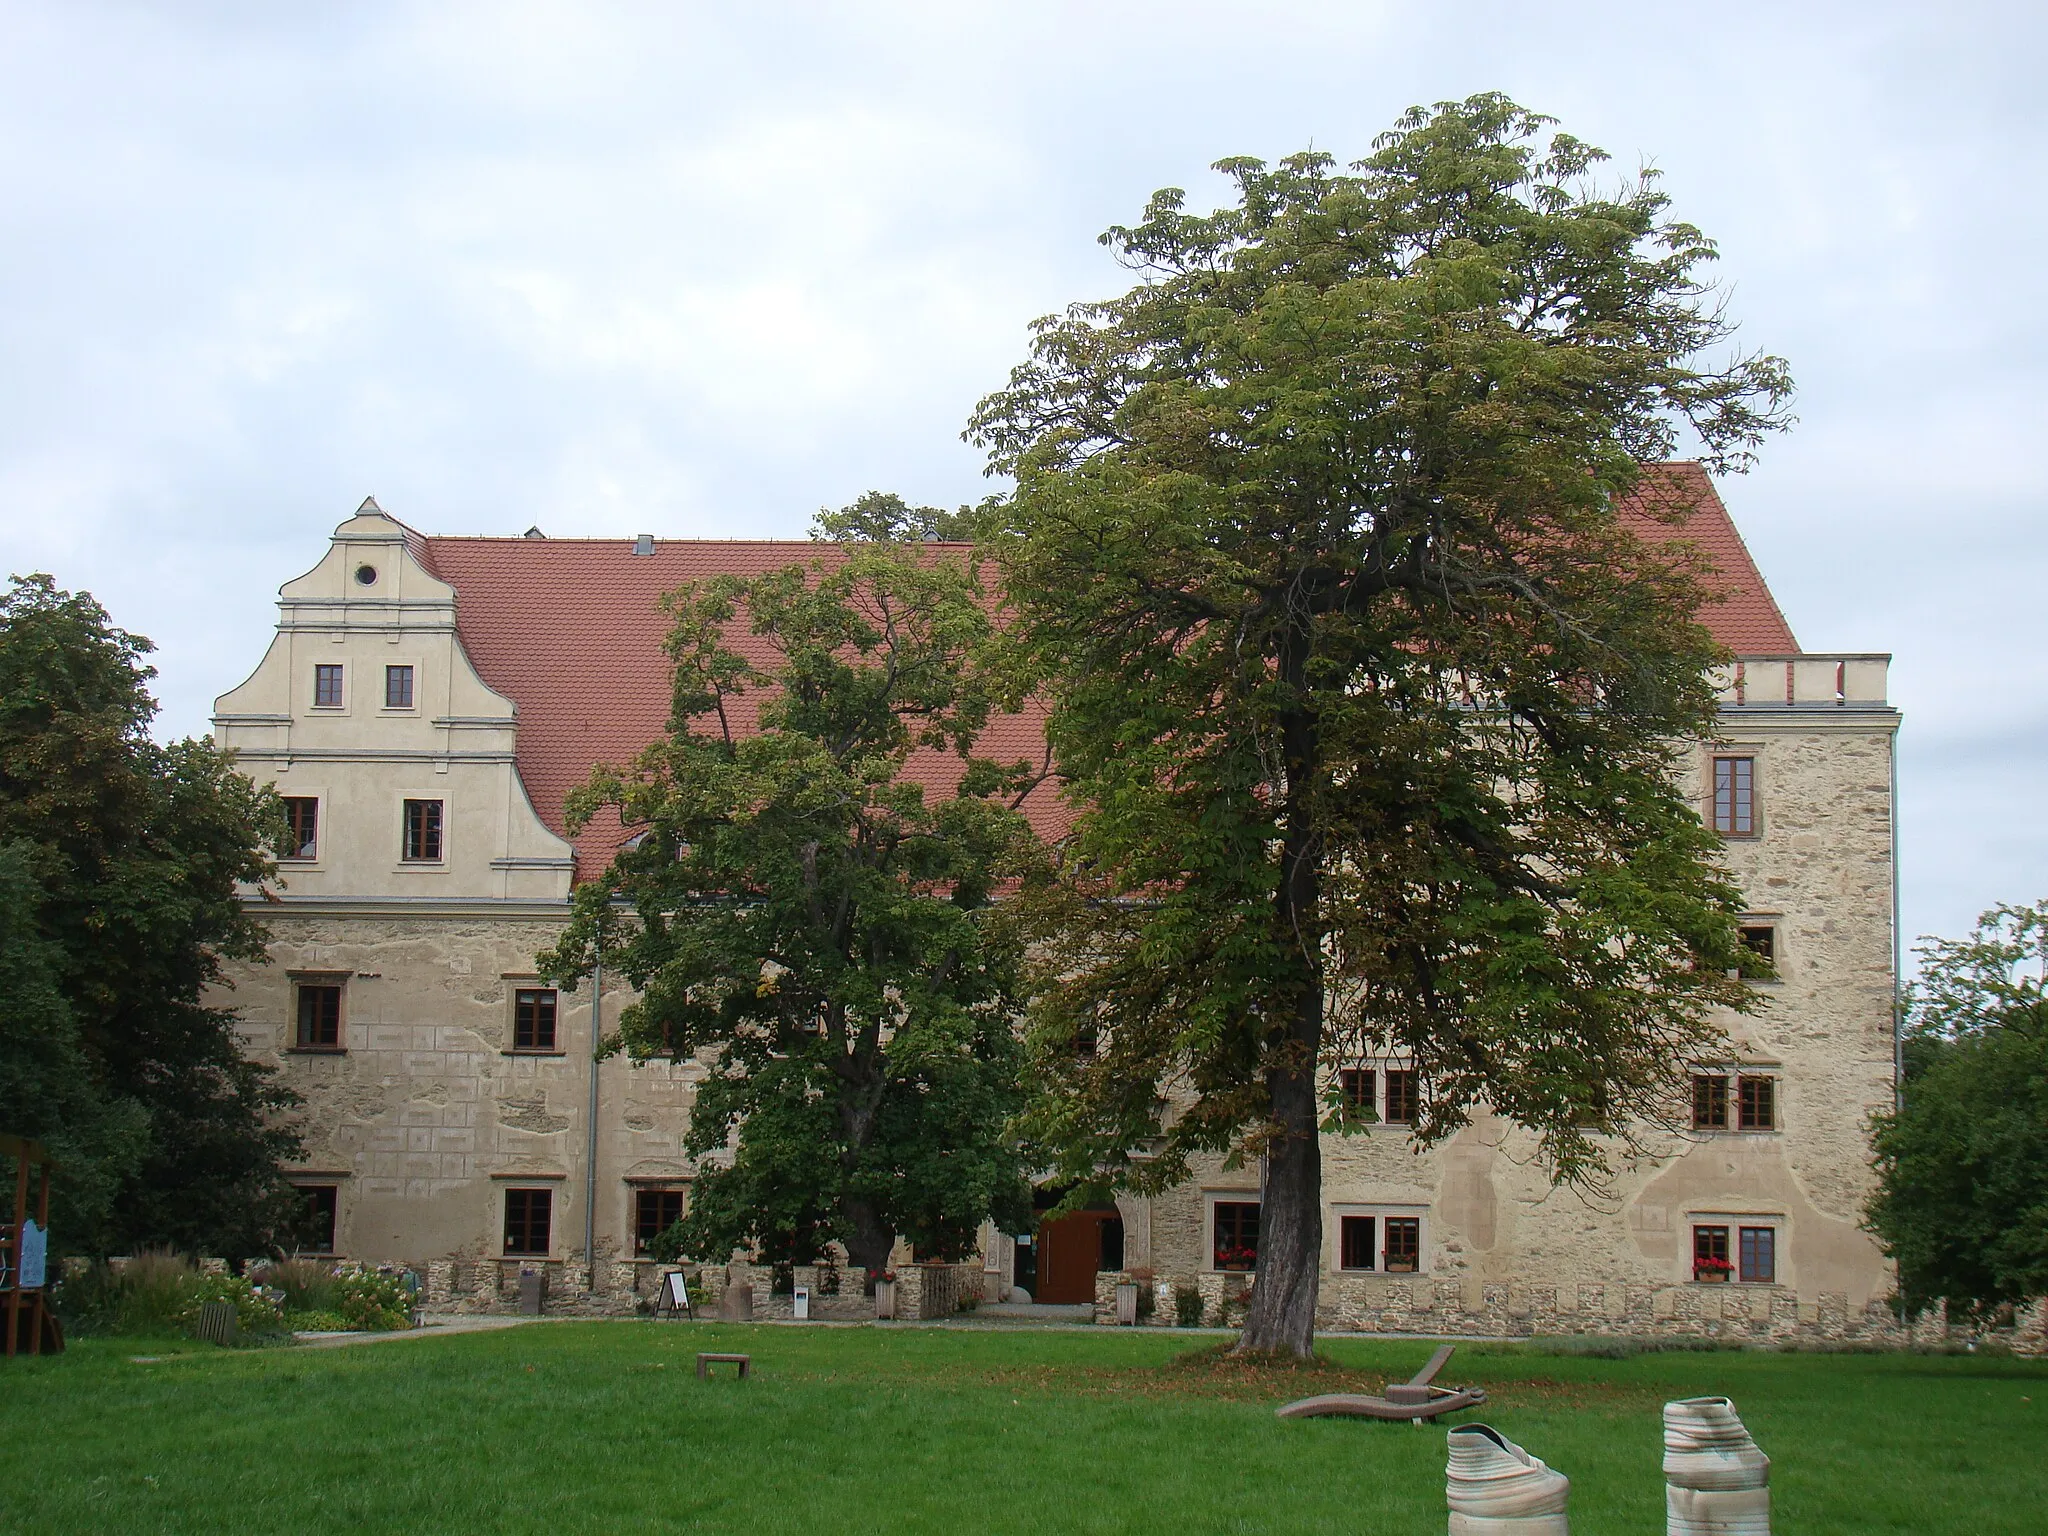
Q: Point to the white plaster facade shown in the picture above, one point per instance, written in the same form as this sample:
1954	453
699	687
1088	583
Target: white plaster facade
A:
424	1113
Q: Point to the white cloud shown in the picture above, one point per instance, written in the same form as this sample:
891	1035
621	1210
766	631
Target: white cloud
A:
686	268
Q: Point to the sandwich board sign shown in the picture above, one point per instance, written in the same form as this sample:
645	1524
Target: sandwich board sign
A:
675	1296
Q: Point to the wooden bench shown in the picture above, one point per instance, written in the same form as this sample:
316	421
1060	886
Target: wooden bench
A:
706	1361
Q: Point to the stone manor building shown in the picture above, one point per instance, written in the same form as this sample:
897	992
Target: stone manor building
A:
427	703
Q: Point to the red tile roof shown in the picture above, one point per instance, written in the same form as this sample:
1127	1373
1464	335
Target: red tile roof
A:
571	631
1746	619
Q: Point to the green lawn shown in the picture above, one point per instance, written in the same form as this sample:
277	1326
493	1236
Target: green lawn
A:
604	1427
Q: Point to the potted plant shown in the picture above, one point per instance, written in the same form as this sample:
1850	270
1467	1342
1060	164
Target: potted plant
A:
1712	1271
885	1295
1239	1259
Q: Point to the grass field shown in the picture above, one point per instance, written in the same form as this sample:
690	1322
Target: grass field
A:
572	1427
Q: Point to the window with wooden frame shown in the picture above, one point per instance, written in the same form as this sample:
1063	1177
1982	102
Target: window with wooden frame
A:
528	1216
1401	1096
1358	1086
1404	1245
1756	1255
1710	1263
1735	796
1761	940
1756	1103
318	1007
654	1212
327	679
533	1018
1709	1101
1358	1242
422	831
398	687
320	1216
301	828
1235	1242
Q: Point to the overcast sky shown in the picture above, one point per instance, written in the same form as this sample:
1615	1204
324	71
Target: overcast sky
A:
698	271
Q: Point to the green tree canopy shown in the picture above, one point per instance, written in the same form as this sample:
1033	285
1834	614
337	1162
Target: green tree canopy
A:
884	517
810	917
1962	1162
1368	698
119	864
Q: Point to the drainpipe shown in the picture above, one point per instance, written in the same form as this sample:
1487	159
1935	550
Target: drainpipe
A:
1898	950
590	1152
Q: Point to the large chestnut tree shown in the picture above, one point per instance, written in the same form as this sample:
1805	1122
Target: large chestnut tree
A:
1367	697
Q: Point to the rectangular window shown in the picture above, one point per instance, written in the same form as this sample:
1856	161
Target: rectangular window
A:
327	685
323	1204
1756	1103
654	1212
1759	1255
1761	940
423	829
1404	1245
1400	1097
302	828
1710	1255
1357	1084
1710	1102
1735	796
1357	1237
527	1214
319	1016
533	1019
398	687
1237	1234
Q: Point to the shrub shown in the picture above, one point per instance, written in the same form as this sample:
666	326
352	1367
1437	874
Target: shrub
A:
307	1285
88	1300
156	1293
319	1322
1187	1306
372	1300
666	1247
152	1292
255	1312
1143	1277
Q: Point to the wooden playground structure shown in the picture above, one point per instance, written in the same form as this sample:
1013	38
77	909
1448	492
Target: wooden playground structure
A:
31	1325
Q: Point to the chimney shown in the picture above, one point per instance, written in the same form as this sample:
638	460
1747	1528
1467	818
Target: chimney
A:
644	545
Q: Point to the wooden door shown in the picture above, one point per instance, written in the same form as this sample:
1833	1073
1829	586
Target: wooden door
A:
1068	1250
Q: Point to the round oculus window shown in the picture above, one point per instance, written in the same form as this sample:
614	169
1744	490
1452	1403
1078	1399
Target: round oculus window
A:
366	575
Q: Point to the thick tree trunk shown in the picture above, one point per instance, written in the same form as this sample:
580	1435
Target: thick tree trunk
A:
1282	1319
869	1237
869	1240
1283	1309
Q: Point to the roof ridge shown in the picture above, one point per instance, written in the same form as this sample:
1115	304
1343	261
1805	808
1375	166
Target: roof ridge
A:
515	538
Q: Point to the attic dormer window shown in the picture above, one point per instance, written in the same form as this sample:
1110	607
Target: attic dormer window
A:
366	575
644	545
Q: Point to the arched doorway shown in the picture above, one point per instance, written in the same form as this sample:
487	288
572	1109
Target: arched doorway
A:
1071	1249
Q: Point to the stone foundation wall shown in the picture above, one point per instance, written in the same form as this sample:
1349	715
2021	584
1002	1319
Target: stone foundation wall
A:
1756	1314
